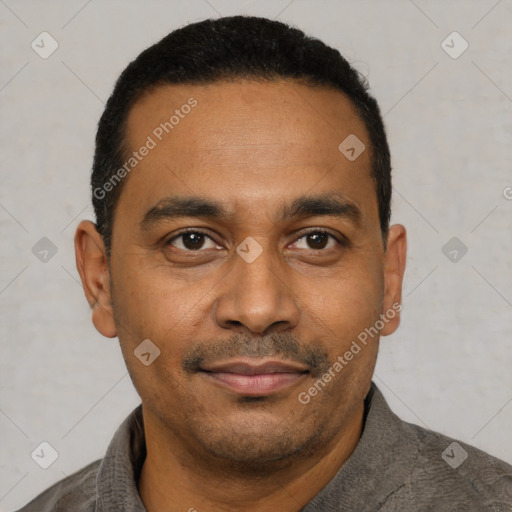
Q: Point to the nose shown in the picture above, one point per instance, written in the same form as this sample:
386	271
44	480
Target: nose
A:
257	296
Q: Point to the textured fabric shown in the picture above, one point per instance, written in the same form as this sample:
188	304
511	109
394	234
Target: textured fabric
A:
395	467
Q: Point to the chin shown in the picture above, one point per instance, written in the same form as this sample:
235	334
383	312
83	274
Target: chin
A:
253	447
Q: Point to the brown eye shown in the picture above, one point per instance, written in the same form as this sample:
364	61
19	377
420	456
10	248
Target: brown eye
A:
317	240
192	241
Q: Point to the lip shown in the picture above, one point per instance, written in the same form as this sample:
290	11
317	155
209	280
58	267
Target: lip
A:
251	378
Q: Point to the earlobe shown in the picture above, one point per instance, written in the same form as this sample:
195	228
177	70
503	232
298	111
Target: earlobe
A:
394	268
91	263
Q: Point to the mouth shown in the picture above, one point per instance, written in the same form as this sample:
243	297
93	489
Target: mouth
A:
253	377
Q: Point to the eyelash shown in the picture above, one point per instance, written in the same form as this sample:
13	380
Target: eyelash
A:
341	241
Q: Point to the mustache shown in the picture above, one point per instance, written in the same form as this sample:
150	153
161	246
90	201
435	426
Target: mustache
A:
276	344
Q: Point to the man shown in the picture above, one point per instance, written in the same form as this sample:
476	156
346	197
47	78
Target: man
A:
242	254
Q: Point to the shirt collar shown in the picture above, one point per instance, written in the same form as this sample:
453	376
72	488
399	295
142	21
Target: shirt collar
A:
119	471
380	463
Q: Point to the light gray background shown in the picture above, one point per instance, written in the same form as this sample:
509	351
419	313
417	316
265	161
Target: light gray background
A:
450	130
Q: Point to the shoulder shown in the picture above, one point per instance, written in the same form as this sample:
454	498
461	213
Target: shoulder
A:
75	492
450	472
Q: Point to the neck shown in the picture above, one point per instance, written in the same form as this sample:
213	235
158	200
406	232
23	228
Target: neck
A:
172	481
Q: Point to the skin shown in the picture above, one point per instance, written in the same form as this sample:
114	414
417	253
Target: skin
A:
253	147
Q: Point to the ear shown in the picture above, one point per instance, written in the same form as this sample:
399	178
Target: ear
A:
394	268
91	263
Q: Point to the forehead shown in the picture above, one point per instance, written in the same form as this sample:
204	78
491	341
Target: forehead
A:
246	112
245	141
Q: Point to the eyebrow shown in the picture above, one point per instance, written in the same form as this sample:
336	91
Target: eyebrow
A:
173	207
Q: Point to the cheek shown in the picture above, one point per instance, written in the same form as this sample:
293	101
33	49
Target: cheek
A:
150	305
344	314
147	309
349	300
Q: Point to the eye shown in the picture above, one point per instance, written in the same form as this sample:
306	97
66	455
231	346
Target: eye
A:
317	240
192	241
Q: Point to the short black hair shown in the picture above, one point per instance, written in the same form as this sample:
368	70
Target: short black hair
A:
236	47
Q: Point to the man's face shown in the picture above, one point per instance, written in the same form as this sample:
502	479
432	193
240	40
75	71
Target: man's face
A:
249	308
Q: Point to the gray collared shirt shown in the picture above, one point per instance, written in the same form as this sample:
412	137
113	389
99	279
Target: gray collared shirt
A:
395	467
